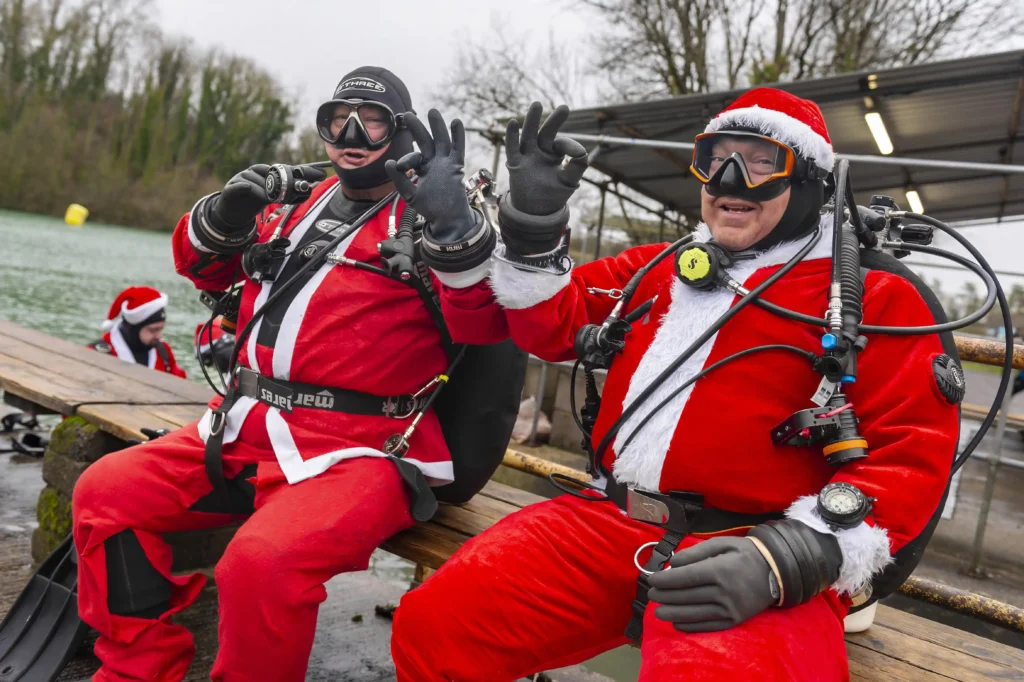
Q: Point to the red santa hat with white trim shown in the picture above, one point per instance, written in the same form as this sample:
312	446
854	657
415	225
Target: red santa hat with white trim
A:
137	306
795	122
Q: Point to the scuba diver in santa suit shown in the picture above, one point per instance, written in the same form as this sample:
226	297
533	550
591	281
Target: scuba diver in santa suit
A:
341	362
134	330
773	542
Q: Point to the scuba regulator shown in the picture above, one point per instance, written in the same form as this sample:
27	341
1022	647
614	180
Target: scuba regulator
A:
833	425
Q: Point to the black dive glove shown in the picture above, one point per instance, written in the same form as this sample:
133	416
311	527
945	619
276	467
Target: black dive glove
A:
262	262
533	215
725	581
245	195
456	237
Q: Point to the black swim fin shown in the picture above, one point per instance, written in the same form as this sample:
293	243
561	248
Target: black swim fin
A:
42	631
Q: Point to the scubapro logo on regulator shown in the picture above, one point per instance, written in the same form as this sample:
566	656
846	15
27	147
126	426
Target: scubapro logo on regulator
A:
694	264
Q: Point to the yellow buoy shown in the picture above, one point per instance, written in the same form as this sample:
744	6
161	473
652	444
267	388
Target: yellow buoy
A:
76	215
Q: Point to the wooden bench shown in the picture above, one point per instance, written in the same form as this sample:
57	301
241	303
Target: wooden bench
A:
121	399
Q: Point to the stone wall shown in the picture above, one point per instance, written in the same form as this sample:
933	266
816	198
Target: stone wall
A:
74	445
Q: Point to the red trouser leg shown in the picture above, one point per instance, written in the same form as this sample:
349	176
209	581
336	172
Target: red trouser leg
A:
546	587
801	644
271	578
147	489
553	585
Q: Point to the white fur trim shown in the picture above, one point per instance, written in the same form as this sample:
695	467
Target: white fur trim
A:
865	548
462	280
136	315
690	313
781	127
235	419
517	289
296	469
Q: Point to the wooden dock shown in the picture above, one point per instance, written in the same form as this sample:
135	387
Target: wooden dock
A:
121	399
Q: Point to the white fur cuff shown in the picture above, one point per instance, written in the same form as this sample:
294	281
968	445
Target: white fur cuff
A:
865	548
462	280
517	289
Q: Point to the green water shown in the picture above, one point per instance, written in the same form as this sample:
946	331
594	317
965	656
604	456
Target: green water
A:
61	280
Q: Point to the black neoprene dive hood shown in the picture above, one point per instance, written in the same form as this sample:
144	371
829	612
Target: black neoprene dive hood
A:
374	84
806	198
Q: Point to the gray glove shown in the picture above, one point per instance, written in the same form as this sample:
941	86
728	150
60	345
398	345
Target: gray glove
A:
714	585
533	215
439	195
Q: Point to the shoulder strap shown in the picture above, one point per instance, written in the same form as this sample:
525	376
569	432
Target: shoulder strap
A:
161	350
425	288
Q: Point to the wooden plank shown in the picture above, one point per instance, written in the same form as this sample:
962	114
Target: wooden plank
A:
184	389
123	421
91	374
926	655
965	643
868	664
979	412
513	496
427	543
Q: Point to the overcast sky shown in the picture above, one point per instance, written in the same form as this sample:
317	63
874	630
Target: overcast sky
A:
308	46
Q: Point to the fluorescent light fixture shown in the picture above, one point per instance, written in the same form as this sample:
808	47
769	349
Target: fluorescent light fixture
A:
873	81
914	199
878	131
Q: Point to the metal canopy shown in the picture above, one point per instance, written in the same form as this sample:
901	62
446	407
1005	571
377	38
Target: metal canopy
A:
963	110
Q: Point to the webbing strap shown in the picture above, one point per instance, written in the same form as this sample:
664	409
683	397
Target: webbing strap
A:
659	557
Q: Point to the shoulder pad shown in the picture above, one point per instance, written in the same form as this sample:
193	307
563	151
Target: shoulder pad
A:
102	347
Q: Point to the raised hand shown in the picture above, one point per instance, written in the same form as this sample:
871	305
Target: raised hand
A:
439	194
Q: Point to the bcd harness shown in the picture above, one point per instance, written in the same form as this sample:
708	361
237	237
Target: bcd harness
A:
399	256
833	424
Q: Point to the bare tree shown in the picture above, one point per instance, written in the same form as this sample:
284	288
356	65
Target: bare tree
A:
653	48
497	76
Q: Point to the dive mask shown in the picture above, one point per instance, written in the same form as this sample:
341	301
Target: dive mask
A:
748	165
348	123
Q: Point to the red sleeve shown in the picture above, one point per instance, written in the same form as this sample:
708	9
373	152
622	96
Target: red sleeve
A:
911	429
176	369
545	311
207	270
472	314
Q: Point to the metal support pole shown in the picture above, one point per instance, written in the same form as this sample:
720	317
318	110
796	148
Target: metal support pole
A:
977	553
600	221
538	397
497	157
661	229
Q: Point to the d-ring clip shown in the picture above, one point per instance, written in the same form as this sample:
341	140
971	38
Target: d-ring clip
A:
636	558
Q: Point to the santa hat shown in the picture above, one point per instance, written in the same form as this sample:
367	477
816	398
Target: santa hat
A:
207	335
797	123
135	305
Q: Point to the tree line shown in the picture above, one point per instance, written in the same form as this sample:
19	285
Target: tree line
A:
98	107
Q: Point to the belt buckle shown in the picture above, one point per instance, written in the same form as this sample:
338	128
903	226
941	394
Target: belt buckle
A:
248	381
645	506
392	404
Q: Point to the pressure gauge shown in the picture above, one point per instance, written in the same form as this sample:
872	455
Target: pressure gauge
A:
842	505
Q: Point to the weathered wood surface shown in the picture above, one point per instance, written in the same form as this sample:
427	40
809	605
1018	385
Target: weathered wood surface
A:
65	377
60	376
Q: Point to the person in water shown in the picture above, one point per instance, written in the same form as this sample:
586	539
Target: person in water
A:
134	330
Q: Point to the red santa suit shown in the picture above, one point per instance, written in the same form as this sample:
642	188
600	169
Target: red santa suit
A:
552	585
325	497
135	305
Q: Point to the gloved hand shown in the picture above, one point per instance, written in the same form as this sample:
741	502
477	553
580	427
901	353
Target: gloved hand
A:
714	585
538	184
242	199
439	195
261	262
